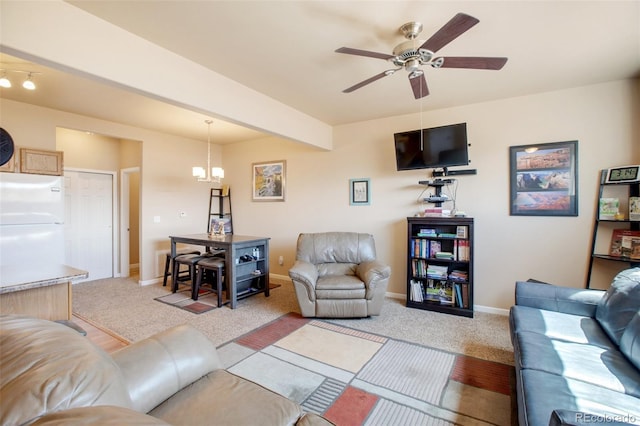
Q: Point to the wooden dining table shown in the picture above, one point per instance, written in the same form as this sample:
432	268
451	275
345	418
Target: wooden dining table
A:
242	266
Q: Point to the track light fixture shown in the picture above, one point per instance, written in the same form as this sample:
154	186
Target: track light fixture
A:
4	81
27	84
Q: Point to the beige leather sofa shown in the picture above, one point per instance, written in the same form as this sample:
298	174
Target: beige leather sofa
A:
52	375
336	275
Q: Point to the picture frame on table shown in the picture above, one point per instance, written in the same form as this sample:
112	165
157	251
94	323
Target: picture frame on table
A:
268	181
360	192
544	179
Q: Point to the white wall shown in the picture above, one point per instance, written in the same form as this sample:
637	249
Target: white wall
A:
167	184
508	248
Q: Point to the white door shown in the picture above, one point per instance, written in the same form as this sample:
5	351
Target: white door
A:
89	222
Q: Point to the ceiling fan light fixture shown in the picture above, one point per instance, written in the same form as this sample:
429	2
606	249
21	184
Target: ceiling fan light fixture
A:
412	65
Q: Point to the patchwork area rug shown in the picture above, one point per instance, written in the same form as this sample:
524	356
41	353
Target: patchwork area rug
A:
357	378
207	299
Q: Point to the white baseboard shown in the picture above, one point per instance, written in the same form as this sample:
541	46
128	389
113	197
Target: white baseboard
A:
491	310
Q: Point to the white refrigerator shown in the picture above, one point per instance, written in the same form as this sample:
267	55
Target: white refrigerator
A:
31	219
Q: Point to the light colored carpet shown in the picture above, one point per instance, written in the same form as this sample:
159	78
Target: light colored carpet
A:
127	309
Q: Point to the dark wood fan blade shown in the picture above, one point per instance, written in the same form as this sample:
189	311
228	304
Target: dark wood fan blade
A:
451	30
478	63
419	86
367	53
367	81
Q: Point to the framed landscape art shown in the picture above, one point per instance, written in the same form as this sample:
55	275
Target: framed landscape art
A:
544	179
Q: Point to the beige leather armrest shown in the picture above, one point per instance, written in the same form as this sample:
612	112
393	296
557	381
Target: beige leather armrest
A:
371	272
305	273
159	366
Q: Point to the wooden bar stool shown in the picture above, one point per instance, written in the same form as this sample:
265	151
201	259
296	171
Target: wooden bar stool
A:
214	265
168	264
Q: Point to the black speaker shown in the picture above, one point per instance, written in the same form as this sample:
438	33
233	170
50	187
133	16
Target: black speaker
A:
6	147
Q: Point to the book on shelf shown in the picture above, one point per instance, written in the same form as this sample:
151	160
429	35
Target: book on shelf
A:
458	275
462	232
446	235
433	212
434	247
416	291
625	243
437	271
419	268
465	295
634	208
427	232
608	208
447	255
462	250
420	248
458	294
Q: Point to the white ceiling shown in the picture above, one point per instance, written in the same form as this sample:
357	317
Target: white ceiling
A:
285	49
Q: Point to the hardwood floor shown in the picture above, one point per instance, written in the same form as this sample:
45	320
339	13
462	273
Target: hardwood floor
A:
107	341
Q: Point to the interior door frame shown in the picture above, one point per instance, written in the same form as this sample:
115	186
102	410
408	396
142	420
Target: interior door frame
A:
114	213
124	215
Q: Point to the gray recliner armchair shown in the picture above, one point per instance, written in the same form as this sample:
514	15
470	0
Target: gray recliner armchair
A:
336	275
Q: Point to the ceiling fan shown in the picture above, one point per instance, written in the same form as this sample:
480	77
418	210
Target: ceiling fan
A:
412	55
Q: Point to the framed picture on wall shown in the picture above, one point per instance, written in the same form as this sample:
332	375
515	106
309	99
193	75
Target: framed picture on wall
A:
360	192
544	179
268	181
41	162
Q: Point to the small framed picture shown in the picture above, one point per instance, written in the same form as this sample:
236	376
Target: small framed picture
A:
268	181
360	192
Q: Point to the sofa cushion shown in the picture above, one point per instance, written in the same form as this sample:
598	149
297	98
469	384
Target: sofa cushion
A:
630	340
340	287
543	392
221	398
620	303
556	325
336	247
604	367
49	367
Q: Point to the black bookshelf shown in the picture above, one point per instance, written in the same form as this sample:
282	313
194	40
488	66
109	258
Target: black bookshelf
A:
440	264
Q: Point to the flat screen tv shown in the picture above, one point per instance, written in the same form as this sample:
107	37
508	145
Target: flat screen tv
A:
436	147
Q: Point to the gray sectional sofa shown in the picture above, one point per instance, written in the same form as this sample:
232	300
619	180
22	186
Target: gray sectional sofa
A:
51	375
577	352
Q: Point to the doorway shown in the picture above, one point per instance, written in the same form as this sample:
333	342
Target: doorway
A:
130	221
89	222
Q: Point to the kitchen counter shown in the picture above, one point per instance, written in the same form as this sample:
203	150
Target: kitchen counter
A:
41	291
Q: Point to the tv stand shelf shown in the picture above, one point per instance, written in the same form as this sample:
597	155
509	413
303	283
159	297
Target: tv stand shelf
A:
437	184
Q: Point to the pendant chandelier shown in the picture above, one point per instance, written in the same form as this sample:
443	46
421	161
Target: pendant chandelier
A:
214	174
